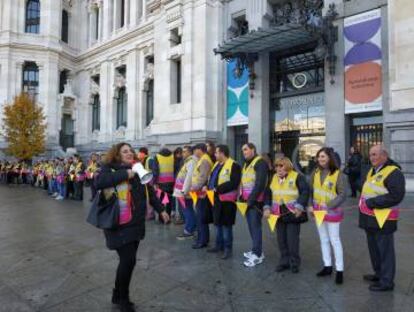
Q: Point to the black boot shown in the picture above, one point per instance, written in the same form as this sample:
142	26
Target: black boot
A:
115	296
339	279
325	271
126	306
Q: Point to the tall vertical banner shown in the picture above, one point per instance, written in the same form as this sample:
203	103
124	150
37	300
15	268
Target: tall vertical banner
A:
363	62
237	96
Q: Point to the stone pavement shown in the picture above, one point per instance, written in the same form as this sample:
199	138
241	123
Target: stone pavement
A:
51	260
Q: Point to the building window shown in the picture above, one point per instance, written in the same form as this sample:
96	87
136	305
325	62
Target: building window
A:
121	108
122	11
31	79
63	80
239	26
175	37
150	102
32	16
65	26
176	81
96	113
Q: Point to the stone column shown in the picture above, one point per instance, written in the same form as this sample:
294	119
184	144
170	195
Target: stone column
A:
126	14
115	15
19	77
101	20
259	106
106	100
107	23
133	93
144	9
335	100
133	14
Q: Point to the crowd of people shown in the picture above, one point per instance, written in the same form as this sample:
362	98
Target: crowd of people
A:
201	185
62	178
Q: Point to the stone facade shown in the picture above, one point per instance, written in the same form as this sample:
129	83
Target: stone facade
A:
145	38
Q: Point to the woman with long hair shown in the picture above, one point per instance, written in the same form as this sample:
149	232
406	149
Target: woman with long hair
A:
116	175
328	193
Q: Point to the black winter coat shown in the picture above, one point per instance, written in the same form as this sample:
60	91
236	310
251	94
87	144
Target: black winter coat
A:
354	165
135	229
395	184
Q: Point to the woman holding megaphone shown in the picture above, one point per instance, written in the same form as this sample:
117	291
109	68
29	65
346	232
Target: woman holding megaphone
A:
122	174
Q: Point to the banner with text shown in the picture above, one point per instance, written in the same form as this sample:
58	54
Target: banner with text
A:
363	62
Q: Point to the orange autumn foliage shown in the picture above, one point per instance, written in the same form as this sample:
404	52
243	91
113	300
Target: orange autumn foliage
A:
24	128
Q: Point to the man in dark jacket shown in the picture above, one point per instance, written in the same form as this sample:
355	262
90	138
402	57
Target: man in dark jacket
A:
384	188
353	170
224	180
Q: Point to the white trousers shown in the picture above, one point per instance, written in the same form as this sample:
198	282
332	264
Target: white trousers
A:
329	235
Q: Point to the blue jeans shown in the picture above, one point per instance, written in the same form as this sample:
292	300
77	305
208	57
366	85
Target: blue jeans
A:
62	189
254	222
51	186
202	226
224	237
178	209
189	216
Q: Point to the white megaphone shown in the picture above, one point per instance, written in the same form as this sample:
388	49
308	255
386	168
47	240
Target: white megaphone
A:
143	174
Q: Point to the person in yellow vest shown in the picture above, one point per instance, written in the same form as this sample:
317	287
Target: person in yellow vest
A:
148	163
252	189
163	176
90	172
328	193
70	189
182	192
224	180
287	198
384	188
203	208
79	178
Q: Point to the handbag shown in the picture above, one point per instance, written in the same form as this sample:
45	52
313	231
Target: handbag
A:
104	213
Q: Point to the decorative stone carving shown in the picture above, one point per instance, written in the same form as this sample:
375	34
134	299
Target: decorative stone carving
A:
119	80
94	87
305	12
149	71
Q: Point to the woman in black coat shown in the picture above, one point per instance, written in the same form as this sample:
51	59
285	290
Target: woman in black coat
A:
116	173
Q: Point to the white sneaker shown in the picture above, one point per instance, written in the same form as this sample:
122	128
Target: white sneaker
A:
253	261
59	197
55	194
249	255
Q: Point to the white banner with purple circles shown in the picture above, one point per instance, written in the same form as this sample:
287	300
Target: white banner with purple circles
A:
363	62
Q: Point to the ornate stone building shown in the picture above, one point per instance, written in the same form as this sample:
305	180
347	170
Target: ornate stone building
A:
141	71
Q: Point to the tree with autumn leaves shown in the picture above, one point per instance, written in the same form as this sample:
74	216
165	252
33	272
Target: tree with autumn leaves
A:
24	128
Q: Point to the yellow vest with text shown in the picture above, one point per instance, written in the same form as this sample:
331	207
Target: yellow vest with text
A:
195	179
373	187
324	192
285	193
225	176
249	179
